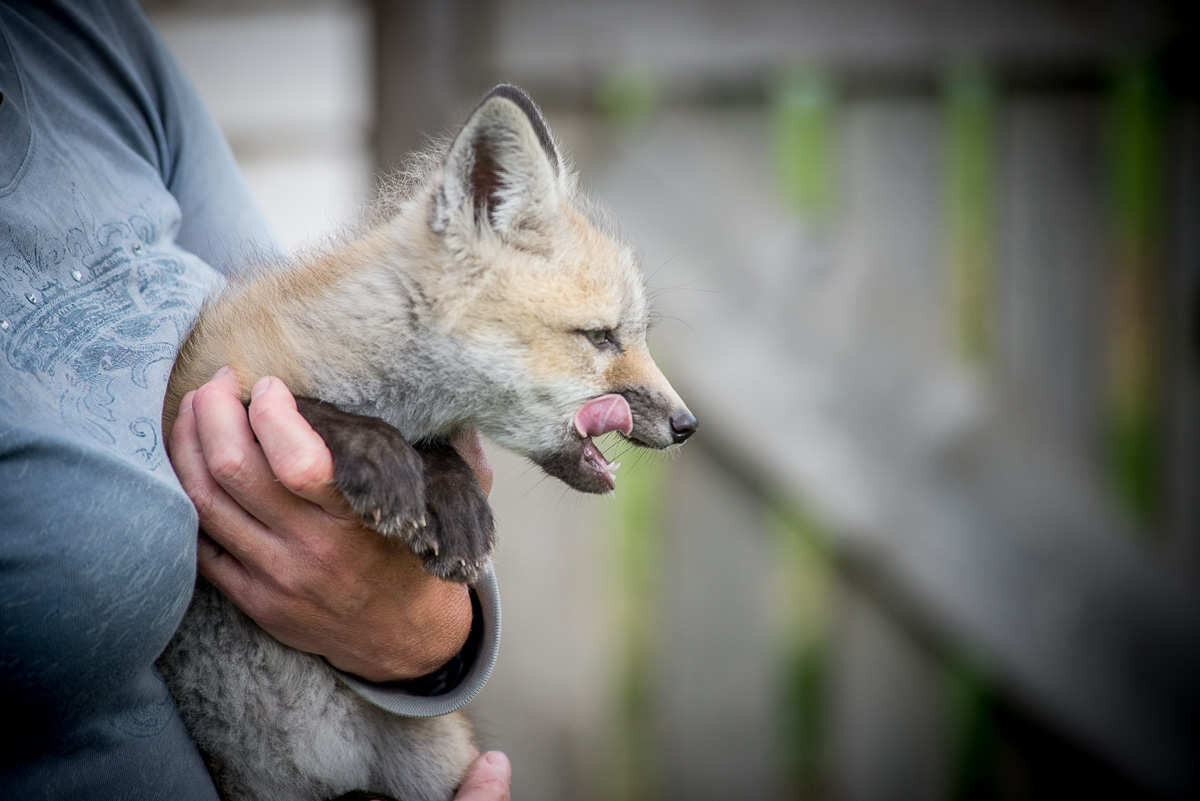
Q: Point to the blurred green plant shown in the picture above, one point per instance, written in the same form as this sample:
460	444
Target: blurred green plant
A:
971	731
1136	144
803	135
802	597
970	191
637	523
803	121
627	97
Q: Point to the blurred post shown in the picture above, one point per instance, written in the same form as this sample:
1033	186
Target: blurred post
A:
430	63
969	217
803	120
801	601
637	527
1135	343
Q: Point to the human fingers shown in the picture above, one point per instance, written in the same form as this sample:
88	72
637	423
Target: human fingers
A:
215	509
466	442
226	573
488	779
295	452
219	514
237	462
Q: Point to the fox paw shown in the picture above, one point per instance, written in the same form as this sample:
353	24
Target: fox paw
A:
458	520
379	474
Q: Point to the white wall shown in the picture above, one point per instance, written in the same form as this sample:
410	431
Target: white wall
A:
291	88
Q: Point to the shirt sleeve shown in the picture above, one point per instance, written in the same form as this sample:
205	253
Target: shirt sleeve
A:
399	702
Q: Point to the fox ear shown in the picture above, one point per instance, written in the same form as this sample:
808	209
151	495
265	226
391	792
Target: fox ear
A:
502	170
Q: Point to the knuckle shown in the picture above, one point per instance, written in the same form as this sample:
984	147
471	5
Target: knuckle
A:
262	409
322	551
202	393
289	584
279	586
227	464
305	472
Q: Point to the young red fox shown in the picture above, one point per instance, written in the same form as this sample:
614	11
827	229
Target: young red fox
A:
490	298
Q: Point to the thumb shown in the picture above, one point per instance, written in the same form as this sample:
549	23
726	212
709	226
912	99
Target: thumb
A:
487	779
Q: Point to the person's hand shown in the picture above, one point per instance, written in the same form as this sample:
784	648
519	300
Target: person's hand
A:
280	542
488	779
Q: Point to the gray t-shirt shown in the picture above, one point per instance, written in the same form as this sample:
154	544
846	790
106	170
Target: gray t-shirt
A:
120	209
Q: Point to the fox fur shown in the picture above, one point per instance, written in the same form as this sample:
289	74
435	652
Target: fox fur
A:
492	296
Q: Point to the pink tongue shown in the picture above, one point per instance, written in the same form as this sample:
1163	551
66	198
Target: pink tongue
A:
601	415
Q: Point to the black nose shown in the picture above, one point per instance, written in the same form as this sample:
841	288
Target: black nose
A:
683	425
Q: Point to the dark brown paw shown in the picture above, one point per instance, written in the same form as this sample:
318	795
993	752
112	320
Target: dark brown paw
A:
378	472
457	516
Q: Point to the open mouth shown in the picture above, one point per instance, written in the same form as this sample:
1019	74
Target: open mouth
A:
581	464
600	416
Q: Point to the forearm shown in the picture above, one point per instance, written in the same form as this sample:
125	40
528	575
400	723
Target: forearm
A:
403	699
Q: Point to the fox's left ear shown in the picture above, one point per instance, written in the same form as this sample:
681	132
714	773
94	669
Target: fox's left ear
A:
502	170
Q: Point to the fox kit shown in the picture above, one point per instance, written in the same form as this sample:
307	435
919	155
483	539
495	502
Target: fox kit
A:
490	298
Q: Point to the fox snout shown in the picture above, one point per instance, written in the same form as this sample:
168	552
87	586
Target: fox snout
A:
659	421
660	417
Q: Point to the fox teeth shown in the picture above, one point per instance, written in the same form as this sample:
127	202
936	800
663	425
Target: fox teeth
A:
612	468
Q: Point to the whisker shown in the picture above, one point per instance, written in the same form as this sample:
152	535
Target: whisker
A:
658	290
659	318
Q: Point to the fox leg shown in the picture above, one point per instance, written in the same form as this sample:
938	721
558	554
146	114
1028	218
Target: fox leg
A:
427	496
458	516
381	476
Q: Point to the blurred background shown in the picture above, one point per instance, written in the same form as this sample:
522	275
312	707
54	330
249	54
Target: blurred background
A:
929	275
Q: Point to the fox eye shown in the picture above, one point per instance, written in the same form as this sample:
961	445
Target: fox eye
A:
602	338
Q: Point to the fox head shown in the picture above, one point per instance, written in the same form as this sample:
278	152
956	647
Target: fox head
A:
546	310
